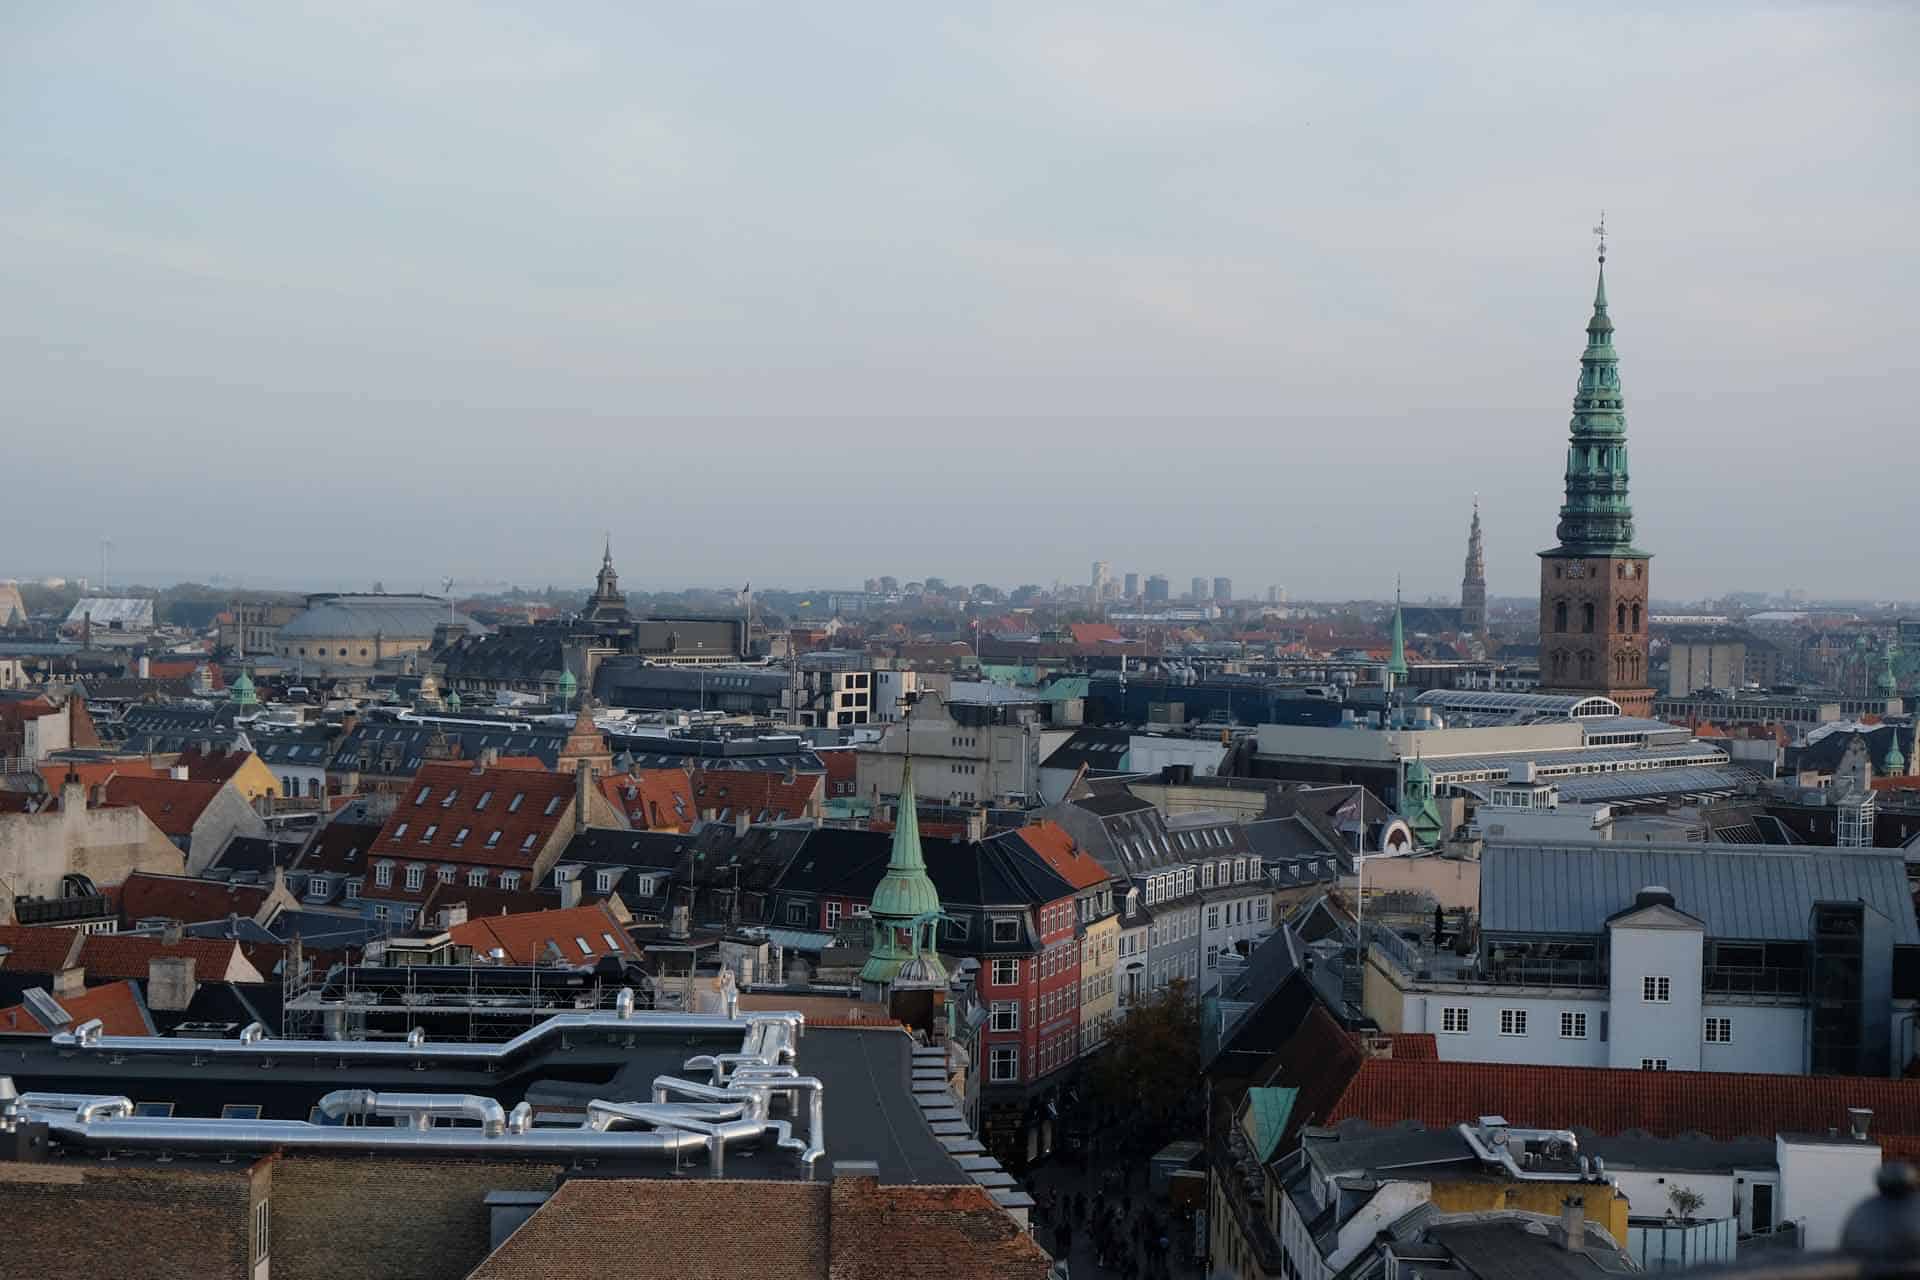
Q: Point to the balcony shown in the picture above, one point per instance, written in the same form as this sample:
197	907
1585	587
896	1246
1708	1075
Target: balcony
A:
1754	980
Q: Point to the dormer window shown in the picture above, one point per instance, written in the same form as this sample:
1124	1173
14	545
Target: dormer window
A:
553	806
1006	929
452	795
481	803
428	834
383	874
421	798
528	842
400	832
460	837
416	876
513	806
493	839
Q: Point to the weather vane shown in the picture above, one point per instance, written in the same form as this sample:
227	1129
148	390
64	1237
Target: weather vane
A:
1600	229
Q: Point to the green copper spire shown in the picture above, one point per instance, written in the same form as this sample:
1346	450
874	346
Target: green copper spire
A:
1397	660
1596	519
242	693
1887	685
906	907
1893	764
568	687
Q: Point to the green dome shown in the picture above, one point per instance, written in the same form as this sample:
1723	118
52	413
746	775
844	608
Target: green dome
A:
1893	762
243	693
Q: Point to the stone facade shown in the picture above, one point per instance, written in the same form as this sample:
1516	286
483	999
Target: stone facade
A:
1593	628
103	844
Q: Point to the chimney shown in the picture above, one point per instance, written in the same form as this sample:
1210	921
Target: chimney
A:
976	826
489	757
97	795
173	933
1573	1224
742	820
454	915
170	983
1859	1121
567	880
178	772
70	981
680	922
582	788
146	667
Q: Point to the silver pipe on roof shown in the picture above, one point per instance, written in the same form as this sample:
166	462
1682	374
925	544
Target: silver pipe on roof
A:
420	1110
757	1027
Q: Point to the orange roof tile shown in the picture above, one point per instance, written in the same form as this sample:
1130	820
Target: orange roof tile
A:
39	950
455	812
1051	841
145	896
125	955
93	773
1720	1104
652	799
532	938
763	794
117	1005
173	804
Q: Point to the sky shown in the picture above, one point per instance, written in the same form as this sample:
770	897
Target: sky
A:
313	295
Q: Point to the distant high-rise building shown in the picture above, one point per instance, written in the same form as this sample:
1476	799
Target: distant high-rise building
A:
1133	587
1199	591
1593	585
1276	594
1157	590
1102	575
1473	583
1222	589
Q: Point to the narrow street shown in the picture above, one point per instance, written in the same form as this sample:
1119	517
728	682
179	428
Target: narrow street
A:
1116	1226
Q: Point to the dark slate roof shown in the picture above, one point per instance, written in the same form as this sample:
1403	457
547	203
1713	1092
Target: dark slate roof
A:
1285	839
515	653
1824	754
324	930
1113	803
1103	750
400	747
1745	892
840	860
306	747
610	846
254	853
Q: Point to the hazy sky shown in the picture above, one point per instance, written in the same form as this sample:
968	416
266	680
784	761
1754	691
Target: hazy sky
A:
800	293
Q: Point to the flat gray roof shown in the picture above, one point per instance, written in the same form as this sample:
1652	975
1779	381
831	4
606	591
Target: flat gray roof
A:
1763	892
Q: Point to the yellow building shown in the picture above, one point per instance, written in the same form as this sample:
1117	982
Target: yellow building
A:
1099	989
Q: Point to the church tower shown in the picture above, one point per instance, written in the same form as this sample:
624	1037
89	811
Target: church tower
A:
1473	582
1593	585
606	604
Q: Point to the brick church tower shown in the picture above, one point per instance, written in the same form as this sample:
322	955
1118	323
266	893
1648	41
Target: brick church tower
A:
1593	586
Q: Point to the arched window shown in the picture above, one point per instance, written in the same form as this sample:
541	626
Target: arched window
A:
1586	666
1636	617
1560	616
1620	617
1586	617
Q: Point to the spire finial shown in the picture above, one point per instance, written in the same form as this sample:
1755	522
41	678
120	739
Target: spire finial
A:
1600	231
606	556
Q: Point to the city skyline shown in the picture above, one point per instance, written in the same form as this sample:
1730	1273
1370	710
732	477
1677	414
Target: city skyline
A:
450	293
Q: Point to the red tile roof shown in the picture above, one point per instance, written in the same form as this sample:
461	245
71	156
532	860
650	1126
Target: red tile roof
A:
94	773
1074	865
217	765
652	799
173	804
763	794
457	813
125	955
1719	1104
145	896
533	938
39	950
1415	1046
117	1005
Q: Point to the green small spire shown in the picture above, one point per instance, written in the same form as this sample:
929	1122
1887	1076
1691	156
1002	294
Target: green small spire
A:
906	906
1893	763
1596	518
568	687
1397	660
1887	685
242	693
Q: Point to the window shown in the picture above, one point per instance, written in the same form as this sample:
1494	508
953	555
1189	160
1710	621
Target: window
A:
400	832
1453	1020
240	1111
509	879
1213	920
416	876
422	797
428	834
1213	957
353	889
833	915
1006	973
493	840
153	1108
1653	1064
1260	909
481	803
262	1220
586	949
1719	1030
513	806
603	882
383	874
477	878
460	837
1573	1026
446	875
1656	990
553	805
796	913
613	944
1006	1015
1003	1063
1006	929
1513	1022
528	842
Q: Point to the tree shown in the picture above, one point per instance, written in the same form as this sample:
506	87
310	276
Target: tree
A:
1686	1202
1150	1067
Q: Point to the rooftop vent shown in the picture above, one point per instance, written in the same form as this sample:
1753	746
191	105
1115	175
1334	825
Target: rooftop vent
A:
1654	895
1859	1120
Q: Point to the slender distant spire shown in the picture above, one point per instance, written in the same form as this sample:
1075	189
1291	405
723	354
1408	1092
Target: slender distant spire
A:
1473	580
1397	660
